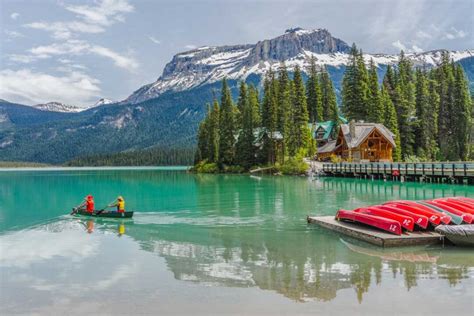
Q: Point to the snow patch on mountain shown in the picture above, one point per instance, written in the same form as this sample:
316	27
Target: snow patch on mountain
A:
103	101
296	47
58	107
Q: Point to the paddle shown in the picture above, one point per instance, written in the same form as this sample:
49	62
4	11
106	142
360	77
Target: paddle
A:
103	209
75	209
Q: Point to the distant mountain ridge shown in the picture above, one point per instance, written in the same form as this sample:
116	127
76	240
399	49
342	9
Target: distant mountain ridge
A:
166	113
296	46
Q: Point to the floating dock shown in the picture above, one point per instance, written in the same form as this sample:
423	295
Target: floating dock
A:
375	236
454	172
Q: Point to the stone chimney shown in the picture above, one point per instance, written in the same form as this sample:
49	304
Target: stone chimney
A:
352	128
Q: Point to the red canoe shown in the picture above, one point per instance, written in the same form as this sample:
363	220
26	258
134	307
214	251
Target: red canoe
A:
420	220
468	207
457	205
385	224
463	198
407	222
468	218
434	217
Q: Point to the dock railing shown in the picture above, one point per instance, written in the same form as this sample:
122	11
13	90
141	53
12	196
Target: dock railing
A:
429	169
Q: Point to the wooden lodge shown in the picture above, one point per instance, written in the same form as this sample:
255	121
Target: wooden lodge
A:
360	142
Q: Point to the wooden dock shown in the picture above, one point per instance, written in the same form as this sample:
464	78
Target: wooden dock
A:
458	172
375	236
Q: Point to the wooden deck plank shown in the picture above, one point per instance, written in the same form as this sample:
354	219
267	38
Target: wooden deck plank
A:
375	236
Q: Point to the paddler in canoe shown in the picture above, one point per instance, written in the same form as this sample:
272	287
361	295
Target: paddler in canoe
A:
87	205
120	204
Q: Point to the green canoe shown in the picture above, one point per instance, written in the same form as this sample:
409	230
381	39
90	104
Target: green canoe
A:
455	219
106	214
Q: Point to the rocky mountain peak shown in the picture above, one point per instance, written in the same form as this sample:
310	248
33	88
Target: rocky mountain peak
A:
294	42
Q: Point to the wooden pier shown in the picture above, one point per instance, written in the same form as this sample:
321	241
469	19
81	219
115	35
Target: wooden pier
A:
375	236
450	172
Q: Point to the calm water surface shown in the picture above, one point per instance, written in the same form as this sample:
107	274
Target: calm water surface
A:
209	244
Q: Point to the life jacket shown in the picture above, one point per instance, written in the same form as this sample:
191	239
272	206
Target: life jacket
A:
121	206
90	206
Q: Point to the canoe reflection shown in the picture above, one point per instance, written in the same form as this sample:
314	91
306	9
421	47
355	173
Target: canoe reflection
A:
316	269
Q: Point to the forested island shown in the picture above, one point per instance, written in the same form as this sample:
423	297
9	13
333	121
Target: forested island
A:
428	110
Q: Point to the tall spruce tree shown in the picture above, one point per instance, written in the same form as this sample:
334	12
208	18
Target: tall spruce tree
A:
390	121
213	133
405	104
226	127
255	104
300	132
375	108
269	119
284	107
445	80
421	127
245	155
240	105
202	150
328	98
355	86
313	94
462	111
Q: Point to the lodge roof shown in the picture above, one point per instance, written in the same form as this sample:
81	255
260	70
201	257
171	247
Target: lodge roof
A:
362	130
329	147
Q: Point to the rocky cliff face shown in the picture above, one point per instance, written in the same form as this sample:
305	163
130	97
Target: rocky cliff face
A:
295	47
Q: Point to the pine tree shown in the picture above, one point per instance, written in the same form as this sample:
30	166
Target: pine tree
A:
255	104
299	136
432	120
240	105
375	108
213	133
462	110
245	144
313	94
355	86
284	107
405	104
328	97
445	80
226	127
390	121
269	119
421	126
202	151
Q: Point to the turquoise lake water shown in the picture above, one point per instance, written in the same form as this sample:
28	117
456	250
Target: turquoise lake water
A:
214	244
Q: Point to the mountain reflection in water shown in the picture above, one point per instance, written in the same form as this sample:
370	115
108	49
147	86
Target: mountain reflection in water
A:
317	268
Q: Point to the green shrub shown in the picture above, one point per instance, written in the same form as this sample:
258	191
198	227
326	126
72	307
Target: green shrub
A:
294	165
206	167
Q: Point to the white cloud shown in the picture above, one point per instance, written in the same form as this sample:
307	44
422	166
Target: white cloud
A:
14	15
65	30
416	49
423	35
105	13
13	34
190	46
27	86
77	48
91	19
399	45
154	40
119	60
413	49
453	33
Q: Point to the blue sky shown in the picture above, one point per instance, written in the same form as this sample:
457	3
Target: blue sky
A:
79	51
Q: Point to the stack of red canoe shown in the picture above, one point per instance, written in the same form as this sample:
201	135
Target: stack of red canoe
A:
398	216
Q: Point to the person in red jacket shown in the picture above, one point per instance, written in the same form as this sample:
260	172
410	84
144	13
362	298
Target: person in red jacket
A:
88	204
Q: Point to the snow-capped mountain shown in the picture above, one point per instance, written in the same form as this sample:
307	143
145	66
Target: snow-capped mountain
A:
295	47
103	101
58	107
